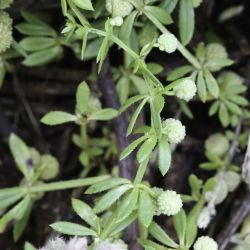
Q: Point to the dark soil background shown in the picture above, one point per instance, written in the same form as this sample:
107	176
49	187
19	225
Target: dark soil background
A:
29	93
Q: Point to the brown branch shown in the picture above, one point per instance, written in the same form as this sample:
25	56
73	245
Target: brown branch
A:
120	124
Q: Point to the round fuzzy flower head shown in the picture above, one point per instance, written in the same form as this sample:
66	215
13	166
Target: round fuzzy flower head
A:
185	90
217	144
49	166
6	37
5	4
120	8
169	203
205	243
5	19
174	130
167	42
116	21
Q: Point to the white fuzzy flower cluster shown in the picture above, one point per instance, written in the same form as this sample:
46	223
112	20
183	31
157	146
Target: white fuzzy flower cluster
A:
5	31
205	243
185	90
116	21
167	42
120	8
169	203
59	244
109	245
217	144
5	4
174	130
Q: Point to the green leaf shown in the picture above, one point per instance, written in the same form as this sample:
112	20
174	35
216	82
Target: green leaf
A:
164	155
238	100
84	4
82	97
106	184
64	7
139	83
86	213
160	14
214	108
146	149
131	147
185	109
156	106
35	29
37	43
8	200
135	116
150	245
120	226
128	205
102	53
157	232
212	84
74	229
130	102
180	223
21	154
180	72
28	246
224	115
15	214
191	231
195	185
58	117
146	209
122	88
186	21
104	114
126	29
233	108
42	57
201	87
155	68
84	43
22	223
110	198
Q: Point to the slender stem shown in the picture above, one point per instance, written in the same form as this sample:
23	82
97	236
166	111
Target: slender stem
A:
180	47
61	185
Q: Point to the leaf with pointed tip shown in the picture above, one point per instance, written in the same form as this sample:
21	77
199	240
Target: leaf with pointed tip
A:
82	97
58	117
164	157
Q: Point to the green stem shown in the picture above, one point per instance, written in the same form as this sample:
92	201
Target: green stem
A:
189	56
61	185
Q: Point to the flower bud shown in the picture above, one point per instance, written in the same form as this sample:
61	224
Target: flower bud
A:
205	243
120	8
167	43
217	144
169	203
185	90
174	130
116	21
49	167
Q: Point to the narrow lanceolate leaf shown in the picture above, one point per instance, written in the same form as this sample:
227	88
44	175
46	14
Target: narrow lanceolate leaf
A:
42	57
70	228
21	154
180	72
156	107
159	234
84	43
104	115
146	149
146	209
131	101
186	21
106	185
135	116
110	198
84	4
58	117
86	213
180	223
191	231
160	14
128	205
64	7
37	43
212	84
224	115
201	87
82	97
131	147
164	157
